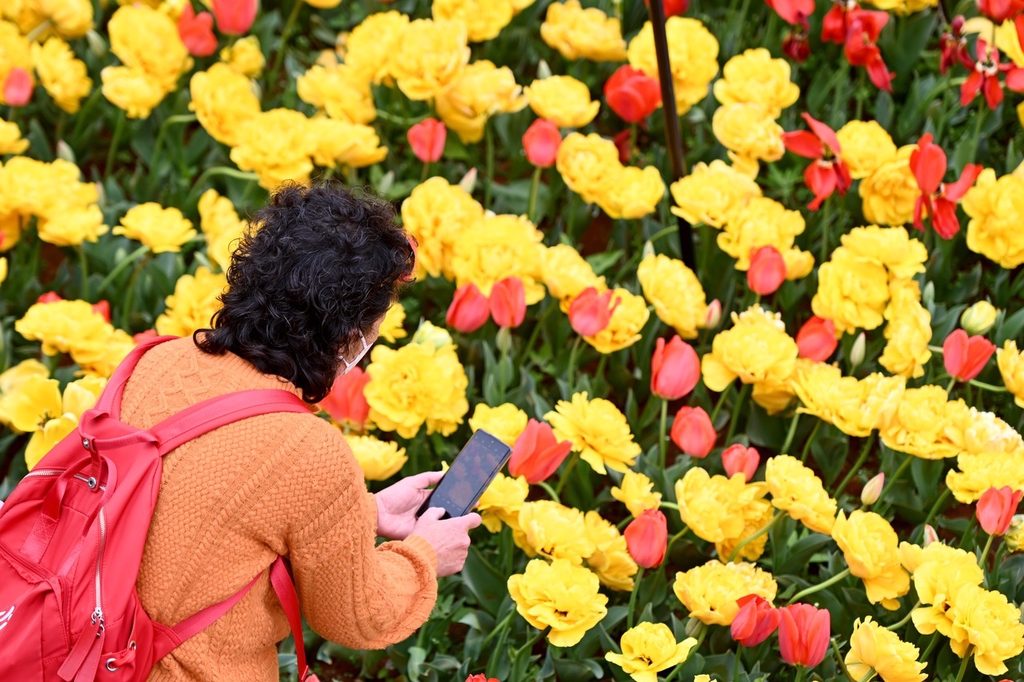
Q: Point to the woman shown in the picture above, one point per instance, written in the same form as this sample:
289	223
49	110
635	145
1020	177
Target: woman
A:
308	288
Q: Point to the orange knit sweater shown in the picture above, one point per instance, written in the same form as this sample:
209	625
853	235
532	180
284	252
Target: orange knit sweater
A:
234	499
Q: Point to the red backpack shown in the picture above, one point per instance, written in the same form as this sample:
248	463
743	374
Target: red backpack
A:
72	535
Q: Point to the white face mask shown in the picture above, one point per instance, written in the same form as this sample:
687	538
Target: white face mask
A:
350	365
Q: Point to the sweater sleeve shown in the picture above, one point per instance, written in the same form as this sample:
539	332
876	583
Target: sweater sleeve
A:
352	591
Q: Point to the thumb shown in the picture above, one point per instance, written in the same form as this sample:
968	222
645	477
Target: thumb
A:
470	521
425	479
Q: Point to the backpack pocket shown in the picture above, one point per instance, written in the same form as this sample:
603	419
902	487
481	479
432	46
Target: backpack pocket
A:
34	637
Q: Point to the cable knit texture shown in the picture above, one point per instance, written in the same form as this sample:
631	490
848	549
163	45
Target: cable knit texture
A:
234	499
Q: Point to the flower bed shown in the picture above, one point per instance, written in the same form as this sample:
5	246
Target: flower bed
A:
765	416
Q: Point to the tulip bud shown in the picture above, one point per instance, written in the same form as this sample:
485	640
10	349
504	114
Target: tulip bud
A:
796	47
964	357
387	181
537	453
928	297
648	250
427	139
857	351
693	627
739	459
196	31
503	341
693	432
632	94
672	7
234	17
468	181
481	677
872	489
102	308
767	271
543	70
1014	537
817	340
18	87
714	316
97	45
541	142
675	369
996	507
930	535
429	335
469	309
508	302
65	152
346	403
804	633
979	318
755	621
647	538
591	312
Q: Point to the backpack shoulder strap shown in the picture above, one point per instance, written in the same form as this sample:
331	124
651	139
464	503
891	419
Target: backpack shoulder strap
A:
285	590
110	399
203	417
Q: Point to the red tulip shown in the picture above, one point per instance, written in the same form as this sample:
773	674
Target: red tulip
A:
767	271
996	508
346	402
714	316
796	46
469	309
196	31
102	308
18	87
954	46
590	312
739	459
675	369
632	94
693	432
536	453
142	337
508	302
938	200
817	340
793	11
624	143
234	17
541	142
427	139
965	356
672	7
647	538
804	632
1000	10
479	677
833	24
50	297
985	74
862	30
827	173
755	621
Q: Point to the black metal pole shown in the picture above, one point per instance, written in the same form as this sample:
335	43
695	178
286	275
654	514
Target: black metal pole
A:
672	128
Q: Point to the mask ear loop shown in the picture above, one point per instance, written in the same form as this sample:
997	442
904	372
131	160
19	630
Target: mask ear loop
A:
362	353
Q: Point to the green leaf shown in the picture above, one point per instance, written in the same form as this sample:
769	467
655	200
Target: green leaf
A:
485	582
417	656
602	261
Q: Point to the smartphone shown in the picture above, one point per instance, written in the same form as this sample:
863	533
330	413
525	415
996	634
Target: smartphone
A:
474	468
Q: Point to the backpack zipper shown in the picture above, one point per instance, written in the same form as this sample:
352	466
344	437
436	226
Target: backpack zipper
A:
97	615
44	473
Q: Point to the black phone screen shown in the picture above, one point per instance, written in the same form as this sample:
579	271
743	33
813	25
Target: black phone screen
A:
472	471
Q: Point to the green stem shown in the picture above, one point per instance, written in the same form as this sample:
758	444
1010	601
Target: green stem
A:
819	587
989	387
531	211
789	434
952	383
864	451
983	559
662	427
673	539
669	505
801	673
632	597
129	296
963	664
224	170
663	233
489	143
935	507
734	418
906	619
398	120
549	490
132	257
158	146
679	668
272	75
825	220
565	475
869	675
426	172
528	647
114	142
895	477
572	365
83	263
931	647
750	538
839	660
807	445
719	404
498	628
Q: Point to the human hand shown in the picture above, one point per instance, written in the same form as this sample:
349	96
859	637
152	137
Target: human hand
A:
448	537
397	504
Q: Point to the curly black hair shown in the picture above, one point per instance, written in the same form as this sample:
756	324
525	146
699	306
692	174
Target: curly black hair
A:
317	266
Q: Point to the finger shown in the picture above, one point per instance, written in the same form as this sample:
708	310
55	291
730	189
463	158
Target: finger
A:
427	478
432	514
